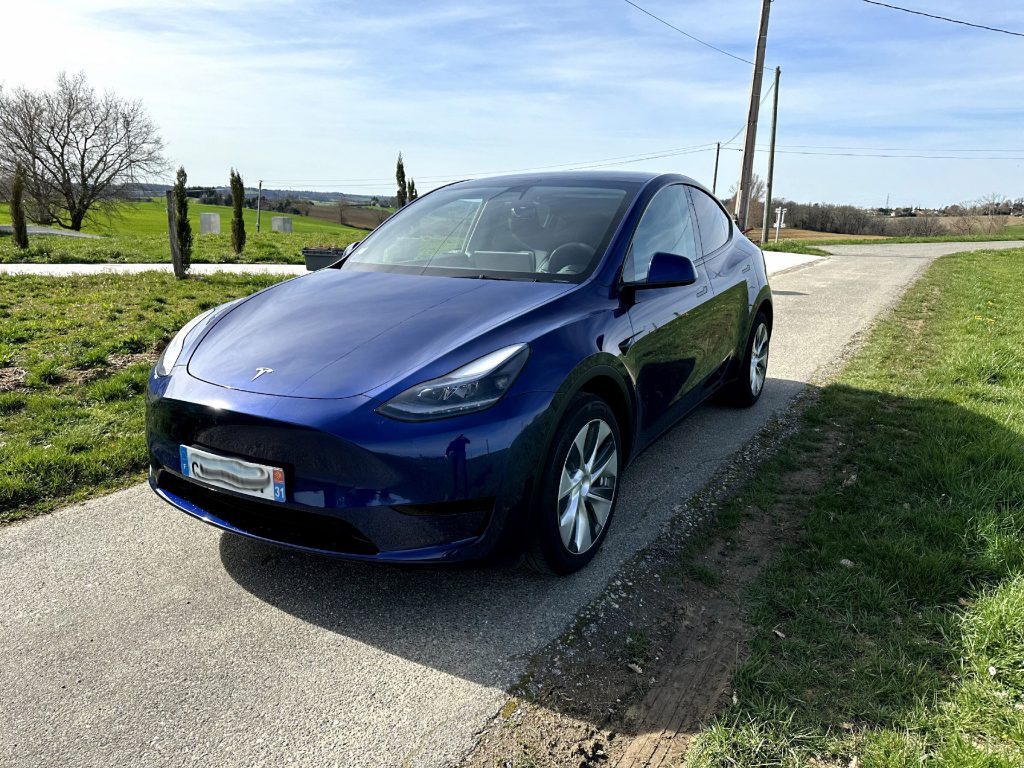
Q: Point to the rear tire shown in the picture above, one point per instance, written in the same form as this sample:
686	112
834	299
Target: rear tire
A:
746	388
578	490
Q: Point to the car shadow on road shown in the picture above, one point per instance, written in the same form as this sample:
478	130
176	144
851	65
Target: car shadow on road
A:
480	623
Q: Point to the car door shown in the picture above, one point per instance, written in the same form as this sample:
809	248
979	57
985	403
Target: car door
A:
667	353
728	259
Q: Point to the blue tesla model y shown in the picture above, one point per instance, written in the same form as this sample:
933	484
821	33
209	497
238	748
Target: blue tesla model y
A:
470	379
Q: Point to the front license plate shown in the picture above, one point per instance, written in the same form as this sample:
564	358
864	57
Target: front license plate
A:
233	474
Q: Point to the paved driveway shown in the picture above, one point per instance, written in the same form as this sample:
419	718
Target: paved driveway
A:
34	231
135	636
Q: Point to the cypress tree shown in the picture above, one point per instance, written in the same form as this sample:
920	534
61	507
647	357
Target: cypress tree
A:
181	222
413	194
18	207
403	190
237	201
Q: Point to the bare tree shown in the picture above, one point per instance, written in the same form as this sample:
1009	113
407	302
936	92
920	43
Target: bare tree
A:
755	205
993	204
79	148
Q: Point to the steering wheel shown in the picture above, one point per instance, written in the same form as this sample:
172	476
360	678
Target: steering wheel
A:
569	258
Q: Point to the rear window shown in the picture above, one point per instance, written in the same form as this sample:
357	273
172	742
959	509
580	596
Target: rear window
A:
713	224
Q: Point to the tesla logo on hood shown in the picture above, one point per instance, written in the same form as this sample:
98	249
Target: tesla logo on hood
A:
260	372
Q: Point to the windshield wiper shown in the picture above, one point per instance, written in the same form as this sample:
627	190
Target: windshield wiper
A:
495	277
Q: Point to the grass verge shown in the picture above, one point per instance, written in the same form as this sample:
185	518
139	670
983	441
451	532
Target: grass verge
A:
794	246
75	354
891	631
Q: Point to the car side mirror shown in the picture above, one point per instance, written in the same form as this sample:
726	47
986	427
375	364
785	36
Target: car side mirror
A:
668	270
349	248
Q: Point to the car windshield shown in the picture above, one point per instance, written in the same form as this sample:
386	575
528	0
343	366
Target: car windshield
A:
538	232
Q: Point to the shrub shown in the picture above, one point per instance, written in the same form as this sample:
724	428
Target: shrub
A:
182	224
237	202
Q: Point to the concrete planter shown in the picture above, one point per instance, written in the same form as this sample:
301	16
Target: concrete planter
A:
318	258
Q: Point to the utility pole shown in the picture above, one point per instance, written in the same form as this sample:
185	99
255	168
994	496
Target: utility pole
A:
771	158
714	181
259	200
743	190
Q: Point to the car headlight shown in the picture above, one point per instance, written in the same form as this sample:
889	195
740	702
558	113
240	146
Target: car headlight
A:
171	352
472	387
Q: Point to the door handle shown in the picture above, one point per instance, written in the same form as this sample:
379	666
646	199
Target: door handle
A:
746	268
702	291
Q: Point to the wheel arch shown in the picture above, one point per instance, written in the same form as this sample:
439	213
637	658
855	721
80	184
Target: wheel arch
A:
609	389
765	306
604	380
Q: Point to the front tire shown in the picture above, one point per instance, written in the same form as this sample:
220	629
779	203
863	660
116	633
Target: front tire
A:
746	388
579	488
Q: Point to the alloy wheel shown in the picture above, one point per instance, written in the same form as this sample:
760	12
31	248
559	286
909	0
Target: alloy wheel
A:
586	490
759	359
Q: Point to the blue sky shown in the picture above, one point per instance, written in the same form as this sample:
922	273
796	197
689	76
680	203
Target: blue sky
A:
324	94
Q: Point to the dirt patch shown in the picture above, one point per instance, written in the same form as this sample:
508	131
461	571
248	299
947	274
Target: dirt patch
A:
12	379
359	216
916	325
652	660
809	235
116	362
82	375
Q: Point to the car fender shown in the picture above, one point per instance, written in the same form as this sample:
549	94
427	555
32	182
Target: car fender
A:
602	367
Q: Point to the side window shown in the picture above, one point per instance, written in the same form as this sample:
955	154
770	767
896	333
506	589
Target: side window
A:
665	226
711	221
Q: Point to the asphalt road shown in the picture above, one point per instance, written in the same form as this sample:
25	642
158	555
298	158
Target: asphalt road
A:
135	636
34	230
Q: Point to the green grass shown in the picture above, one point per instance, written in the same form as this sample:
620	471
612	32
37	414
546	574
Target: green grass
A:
71	418
794	246
138	233
259	248
914	654
150	218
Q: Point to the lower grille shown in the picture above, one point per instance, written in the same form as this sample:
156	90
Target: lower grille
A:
276	522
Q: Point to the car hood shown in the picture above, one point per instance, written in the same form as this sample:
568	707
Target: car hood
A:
338	333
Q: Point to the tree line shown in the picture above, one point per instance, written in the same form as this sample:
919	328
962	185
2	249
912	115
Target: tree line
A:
978	217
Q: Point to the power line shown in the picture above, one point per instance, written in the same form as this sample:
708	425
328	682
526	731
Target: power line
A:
940	18
687	34
915	157
864	154
744	126
790	149
579	165
894	149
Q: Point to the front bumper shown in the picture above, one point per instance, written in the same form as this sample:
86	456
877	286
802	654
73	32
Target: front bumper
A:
358	485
